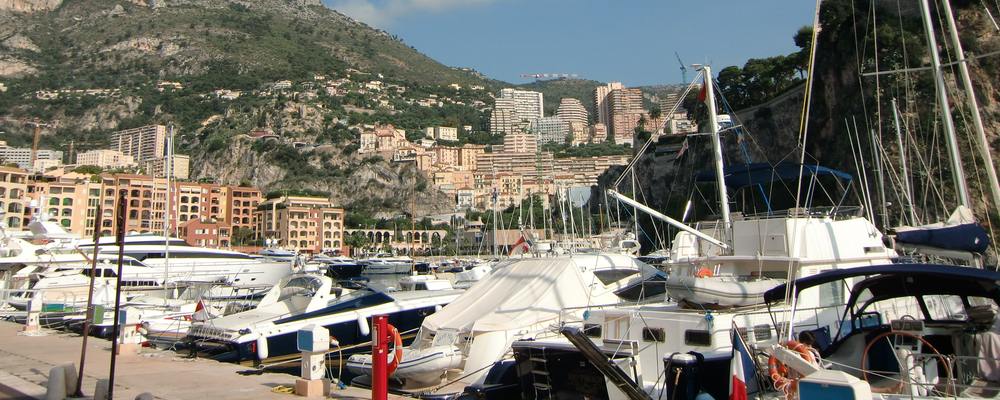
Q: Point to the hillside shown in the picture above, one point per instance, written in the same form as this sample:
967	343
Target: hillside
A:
771	89
95	66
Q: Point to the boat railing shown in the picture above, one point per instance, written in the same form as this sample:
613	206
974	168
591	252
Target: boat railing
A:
780	317
962	373
570	315
837	213
65	298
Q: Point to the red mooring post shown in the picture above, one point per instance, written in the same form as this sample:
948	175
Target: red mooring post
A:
380	357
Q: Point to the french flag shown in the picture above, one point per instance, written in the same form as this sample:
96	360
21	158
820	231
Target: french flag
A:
741	370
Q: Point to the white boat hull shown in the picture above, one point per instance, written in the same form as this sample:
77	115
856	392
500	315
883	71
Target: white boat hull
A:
420	366
719	291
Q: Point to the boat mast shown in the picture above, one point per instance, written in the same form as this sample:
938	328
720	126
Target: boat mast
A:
970	94
168	168
902	157
720	175
958	173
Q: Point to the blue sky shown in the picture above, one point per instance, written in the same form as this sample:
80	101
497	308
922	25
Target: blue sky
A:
632	41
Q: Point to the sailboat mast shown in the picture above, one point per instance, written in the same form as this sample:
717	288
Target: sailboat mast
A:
166	216
957	171
970	94
720	175
902	158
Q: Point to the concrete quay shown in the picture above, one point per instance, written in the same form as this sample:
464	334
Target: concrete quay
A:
25	362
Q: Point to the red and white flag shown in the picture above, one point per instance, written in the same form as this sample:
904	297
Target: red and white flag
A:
200	312
741	370
738	385
522	245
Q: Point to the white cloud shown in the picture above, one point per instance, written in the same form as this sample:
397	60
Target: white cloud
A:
382	13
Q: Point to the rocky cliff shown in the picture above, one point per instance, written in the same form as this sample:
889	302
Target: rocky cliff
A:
842	95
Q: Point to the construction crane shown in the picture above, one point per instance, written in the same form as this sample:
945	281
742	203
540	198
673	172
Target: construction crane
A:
550	76
38	125
684	70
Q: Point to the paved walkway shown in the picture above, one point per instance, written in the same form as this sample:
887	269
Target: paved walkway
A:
25	362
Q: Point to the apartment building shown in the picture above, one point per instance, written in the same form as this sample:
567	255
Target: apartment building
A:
301	223
626	111
142	144
13	196
22	157
108	159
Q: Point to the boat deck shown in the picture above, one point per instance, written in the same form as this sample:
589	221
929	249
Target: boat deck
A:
25	362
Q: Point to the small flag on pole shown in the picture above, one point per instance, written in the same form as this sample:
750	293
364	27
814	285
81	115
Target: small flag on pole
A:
741	370
521	246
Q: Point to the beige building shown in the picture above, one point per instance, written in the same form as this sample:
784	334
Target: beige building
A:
304	224
13	196
519	143
180	166
601	101
511	176
442	133
383	139
572	110
584	171
71	199
402	241
108	159
626	111
143	144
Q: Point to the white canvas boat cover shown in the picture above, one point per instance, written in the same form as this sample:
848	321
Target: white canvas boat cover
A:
531	291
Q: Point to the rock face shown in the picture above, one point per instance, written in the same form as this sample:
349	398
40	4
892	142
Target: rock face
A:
840	97
29	6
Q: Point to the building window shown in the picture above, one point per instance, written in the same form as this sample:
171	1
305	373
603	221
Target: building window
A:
54	201
67	202
65	223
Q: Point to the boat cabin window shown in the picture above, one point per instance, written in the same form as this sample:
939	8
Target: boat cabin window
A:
592	330
694	337
653	335
761	332
610	276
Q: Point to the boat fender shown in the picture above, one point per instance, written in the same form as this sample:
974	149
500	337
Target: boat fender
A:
261	348
437	308
334	342
397	350
703	273
363	326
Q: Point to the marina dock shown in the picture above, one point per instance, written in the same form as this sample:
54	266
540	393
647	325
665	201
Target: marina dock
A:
25	362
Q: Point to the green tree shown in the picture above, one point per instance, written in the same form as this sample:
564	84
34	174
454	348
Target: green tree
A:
243	236
356	240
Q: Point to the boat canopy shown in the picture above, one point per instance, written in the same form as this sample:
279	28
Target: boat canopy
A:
743	175
533	291
899	280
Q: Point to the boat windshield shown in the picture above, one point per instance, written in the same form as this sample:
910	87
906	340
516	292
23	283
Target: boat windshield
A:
306	286
355	300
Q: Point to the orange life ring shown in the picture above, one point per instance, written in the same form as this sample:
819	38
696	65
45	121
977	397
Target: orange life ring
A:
397	347
779	372
703	272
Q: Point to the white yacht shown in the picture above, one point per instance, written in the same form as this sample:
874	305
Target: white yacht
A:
388	264
520	299
149	262
301	300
